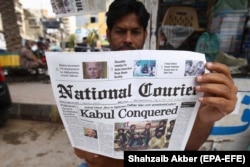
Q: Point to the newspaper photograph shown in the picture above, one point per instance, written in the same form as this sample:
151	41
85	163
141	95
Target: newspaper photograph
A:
63	8
114	101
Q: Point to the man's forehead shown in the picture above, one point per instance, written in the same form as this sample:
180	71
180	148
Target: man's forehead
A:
92	65
130	21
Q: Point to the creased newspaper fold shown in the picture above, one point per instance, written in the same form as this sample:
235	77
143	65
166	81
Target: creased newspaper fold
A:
143	100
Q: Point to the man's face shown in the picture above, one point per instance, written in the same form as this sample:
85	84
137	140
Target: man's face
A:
127	34
90	133
93	70
147	127
120	131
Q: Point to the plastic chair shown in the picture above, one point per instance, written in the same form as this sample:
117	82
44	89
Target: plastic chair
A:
183	16
179	16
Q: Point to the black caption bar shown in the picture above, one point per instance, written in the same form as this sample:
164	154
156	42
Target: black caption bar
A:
186	158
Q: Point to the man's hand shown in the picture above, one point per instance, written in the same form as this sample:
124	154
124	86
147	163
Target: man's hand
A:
219	100
219	93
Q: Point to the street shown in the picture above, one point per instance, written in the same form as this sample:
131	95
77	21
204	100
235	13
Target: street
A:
26	143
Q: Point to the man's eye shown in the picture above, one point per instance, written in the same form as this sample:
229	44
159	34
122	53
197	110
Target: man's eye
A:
136	32
120	32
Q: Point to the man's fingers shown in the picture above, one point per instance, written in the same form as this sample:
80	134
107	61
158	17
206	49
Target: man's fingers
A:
219	68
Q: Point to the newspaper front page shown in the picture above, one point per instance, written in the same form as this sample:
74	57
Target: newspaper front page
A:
142	100
63	8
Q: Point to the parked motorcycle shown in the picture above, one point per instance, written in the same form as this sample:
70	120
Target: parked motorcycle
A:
5	99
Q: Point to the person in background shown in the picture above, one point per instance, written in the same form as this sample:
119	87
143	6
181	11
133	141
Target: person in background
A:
84	41
127	22
28	59
47	44
40	54
40	51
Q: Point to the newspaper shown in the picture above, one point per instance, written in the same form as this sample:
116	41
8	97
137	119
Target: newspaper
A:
63	8
137	90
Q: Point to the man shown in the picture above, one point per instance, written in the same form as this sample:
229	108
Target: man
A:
170	129
93	70
40	51
160	130
28	59
127	23
146	134
91	133
121	138
130	134
137	68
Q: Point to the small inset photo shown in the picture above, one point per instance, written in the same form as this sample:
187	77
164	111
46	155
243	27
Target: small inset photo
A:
94	70
90	133
144	68
194	68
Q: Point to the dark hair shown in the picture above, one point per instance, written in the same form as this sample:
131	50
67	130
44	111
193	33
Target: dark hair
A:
163	121
121	130
133	125
40	43
172	121
121	8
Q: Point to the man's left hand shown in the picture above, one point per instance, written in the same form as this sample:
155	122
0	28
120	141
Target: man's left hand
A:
219	93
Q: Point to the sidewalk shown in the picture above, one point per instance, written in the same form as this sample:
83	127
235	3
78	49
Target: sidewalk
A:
26	143
34	135
33	101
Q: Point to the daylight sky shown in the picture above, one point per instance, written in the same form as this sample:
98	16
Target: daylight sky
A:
38	4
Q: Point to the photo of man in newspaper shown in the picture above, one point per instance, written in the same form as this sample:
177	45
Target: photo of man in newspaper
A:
143	135
94	70
90	133
146	68
194	68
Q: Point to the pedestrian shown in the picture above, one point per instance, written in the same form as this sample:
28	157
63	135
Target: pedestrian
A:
40	51
126	30
28	59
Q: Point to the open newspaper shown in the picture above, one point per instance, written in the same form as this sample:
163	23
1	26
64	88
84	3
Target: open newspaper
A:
143	100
